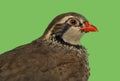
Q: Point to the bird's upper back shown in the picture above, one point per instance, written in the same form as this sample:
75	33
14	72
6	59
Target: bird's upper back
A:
43	58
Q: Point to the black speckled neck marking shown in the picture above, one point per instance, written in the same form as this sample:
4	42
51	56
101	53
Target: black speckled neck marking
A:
60	40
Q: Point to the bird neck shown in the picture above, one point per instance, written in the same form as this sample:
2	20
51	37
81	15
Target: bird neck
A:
59	40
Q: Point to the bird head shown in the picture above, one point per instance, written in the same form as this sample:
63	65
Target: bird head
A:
68	28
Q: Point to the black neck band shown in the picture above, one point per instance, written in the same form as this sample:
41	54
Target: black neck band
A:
60	40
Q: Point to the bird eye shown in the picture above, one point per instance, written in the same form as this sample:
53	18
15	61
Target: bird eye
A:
73	22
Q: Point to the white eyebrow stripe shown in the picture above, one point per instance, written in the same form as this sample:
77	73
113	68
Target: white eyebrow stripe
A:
61	21
64	19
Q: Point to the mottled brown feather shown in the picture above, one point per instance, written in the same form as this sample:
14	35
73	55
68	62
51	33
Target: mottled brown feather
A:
45	60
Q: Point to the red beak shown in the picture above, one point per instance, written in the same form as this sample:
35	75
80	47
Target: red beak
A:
89	28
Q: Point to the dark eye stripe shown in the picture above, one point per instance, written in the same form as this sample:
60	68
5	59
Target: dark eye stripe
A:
80	24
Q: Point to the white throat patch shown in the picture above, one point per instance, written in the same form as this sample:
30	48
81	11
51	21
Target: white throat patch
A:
73	35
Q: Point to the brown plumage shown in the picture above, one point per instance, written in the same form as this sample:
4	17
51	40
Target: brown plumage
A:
55	56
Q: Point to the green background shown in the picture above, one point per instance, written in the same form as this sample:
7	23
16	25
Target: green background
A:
22	21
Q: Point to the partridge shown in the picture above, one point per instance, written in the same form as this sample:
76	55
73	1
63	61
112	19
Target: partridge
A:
55	56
